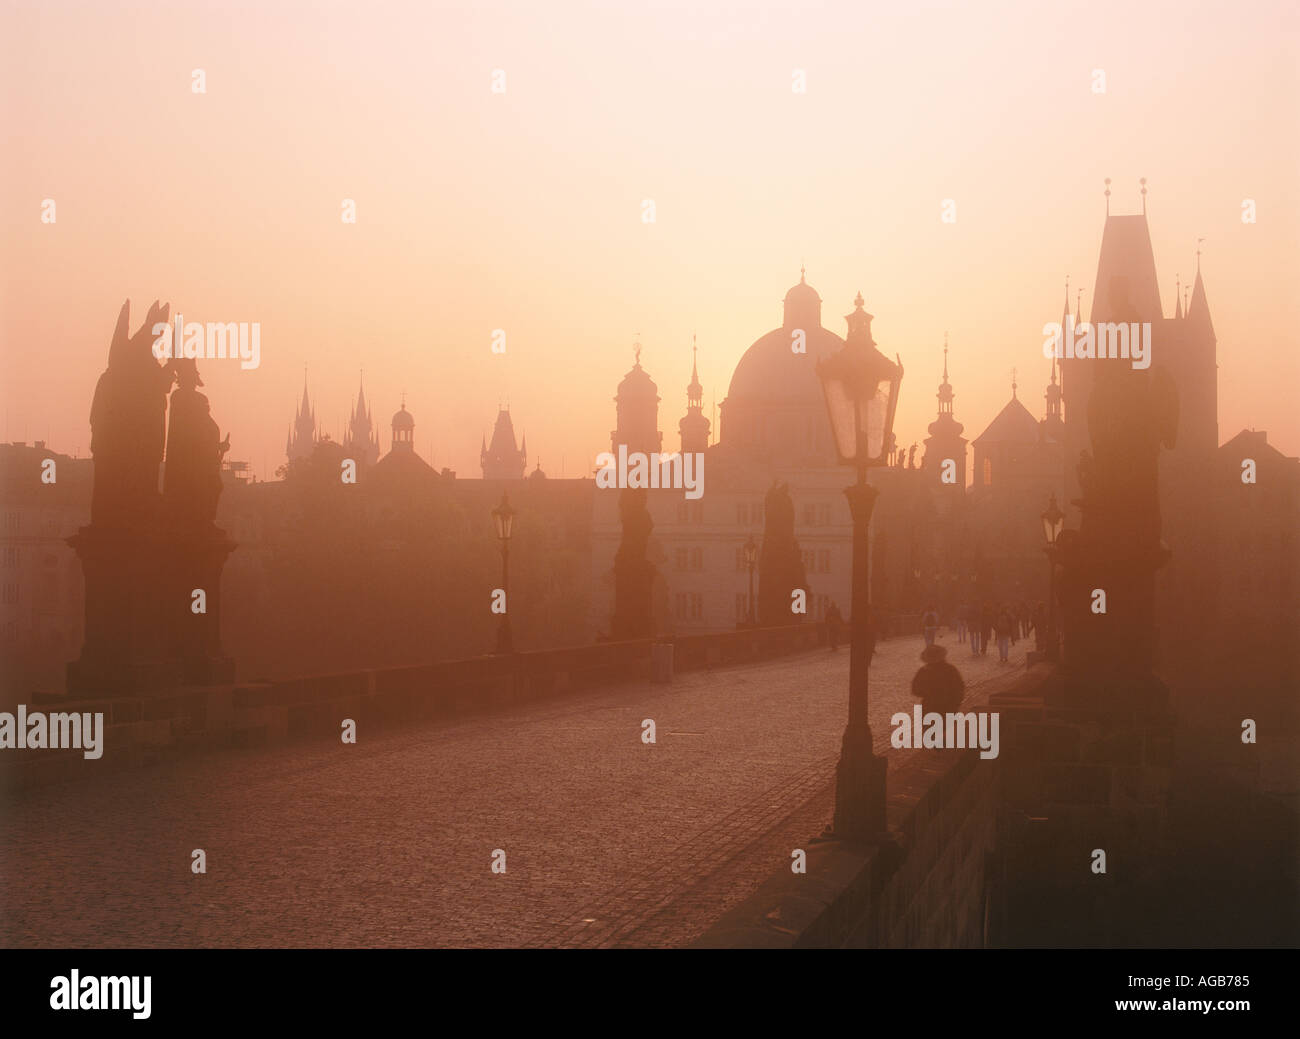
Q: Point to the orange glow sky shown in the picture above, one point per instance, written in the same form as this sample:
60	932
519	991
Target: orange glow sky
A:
522	211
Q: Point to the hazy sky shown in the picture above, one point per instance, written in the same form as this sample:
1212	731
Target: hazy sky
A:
523	210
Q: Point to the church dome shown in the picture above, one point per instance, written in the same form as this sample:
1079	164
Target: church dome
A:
771	371
403	419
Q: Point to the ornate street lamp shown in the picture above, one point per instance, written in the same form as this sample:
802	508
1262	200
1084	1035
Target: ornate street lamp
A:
504	516
751	559
1053	523
861	388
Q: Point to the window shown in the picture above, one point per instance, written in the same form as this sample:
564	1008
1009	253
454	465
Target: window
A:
11	594
682	559
11	523
688	606
697	559
11	558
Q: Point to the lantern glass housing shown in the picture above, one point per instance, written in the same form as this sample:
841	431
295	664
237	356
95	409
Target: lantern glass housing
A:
504	516
860	385
1053	521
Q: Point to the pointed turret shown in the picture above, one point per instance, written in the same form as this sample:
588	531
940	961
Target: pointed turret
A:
361	439
694	428
501	460
303	434
1198	311
945	443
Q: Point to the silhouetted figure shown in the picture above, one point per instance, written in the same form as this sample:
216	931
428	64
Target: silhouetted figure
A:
833	622
988	617
192	479
780	564
937	685
152	562
634	574
963	619
1004	628
128	425
929	623
1040	627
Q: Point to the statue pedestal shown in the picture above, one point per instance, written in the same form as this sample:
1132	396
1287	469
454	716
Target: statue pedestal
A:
195	562
141	631
1109	657
125	648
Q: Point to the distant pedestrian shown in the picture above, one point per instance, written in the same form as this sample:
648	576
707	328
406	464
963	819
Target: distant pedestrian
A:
1005	628
963	617
988	617
930	624
937	686
833	622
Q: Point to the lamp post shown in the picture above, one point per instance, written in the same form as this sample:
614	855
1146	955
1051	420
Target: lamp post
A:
504	516
861	388
1053	522
751	558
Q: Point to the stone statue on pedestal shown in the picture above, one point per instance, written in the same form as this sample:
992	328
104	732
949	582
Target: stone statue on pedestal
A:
780	564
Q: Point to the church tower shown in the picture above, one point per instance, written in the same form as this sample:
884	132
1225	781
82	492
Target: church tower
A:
362	440
302	434
637	412
502	460
694	428
403	431
1053	424
945	440
1183	347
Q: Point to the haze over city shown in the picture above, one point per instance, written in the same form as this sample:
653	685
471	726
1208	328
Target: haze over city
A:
523	210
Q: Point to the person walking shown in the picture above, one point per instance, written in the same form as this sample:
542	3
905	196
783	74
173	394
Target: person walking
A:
833	622
1040	627
937	685
988	617
930	624
1005	628
963	616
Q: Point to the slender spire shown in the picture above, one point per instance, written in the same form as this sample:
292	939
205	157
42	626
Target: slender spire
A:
1013	383
1108	196
1078	308
1178	296
945	393
694	390
1143	182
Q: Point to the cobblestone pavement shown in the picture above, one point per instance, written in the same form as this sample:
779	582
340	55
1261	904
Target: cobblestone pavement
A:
608	841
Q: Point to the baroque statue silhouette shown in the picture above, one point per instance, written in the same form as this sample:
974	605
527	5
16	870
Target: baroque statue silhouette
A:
128	424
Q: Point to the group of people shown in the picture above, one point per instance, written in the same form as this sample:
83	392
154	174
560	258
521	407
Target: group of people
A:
1006	623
